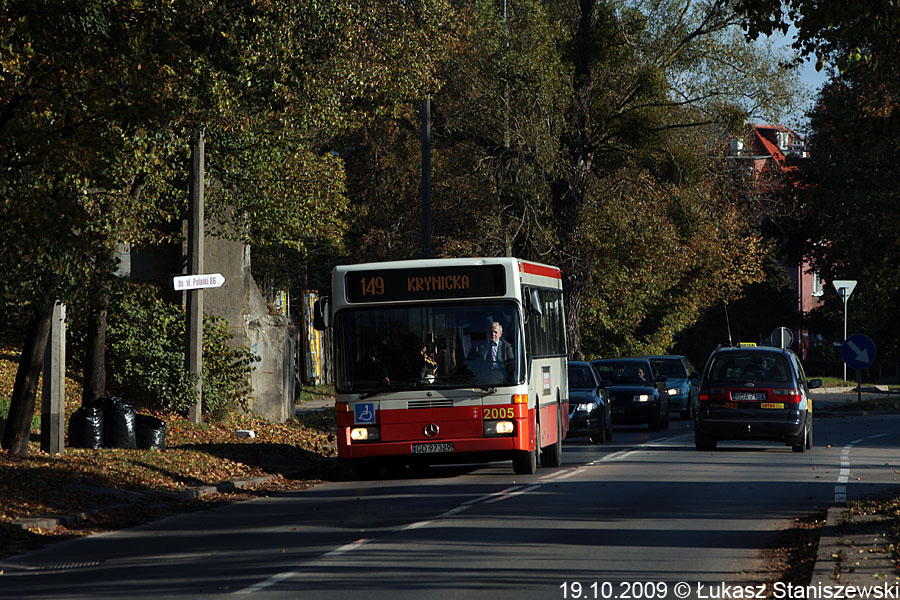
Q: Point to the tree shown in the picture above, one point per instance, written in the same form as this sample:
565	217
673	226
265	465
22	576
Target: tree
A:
98	98
849	208
841	34
852	214
585	130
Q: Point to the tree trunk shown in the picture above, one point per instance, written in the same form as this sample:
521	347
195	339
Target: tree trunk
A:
574	288
576	251
21	408
95	355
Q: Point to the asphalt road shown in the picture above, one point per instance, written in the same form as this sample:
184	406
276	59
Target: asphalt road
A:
635	517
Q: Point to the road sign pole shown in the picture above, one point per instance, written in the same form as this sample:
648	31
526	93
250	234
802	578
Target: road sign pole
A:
844	298
845	287
858	385
196	232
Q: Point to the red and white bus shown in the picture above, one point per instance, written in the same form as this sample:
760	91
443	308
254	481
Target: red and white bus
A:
416	377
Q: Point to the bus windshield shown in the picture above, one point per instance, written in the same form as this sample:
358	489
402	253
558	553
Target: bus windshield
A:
382	349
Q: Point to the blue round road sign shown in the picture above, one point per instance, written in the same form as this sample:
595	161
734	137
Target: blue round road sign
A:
858	351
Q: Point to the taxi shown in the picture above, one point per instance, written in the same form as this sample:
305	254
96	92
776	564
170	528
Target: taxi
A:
754	392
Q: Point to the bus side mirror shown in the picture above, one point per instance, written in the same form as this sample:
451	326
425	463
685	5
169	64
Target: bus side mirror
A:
322	314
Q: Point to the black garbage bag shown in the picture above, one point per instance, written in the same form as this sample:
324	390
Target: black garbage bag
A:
119	419
151	433
86	426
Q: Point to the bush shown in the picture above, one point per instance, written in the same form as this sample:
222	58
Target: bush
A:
146	356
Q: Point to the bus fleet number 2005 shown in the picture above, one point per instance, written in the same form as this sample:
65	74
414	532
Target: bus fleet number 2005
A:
499	412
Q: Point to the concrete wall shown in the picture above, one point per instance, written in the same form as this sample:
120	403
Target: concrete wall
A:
253	325
239	301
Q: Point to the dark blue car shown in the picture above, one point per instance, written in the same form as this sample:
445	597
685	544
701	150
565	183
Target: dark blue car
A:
589	413
682	382
637	394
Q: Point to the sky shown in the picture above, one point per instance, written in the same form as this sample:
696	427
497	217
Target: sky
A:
811	79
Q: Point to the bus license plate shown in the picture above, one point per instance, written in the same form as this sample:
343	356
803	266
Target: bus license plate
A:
432	448
771	405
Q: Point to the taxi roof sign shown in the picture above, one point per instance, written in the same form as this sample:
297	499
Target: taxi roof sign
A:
747	344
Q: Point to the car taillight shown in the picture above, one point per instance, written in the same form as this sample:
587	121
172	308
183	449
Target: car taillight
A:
713	395
788	396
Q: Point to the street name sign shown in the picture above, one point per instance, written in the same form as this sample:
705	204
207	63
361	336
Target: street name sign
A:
196	282
858	351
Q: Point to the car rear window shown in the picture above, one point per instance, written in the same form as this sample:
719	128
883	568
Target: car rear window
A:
759	368
622	372
580	377
669	367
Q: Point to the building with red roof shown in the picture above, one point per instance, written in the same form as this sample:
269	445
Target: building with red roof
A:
774	159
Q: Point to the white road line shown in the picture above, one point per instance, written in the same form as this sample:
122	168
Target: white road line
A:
559	474
267	583
840	488
454	511
491	498
346	548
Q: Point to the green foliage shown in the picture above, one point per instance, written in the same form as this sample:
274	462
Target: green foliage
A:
844	34
584	141
145	356
852	214
146	359
314	392
226	369
4	413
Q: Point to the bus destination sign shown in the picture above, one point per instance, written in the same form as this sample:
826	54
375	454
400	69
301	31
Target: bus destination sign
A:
427	283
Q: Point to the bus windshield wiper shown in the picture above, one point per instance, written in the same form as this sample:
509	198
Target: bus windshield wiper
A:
395	386
487	389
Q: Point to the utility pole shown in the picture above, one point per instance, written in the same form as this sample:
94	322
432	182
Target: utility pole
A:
194	328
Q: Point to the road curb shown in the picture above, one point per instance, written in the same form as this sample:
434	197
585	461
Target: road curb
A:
187	494
827	568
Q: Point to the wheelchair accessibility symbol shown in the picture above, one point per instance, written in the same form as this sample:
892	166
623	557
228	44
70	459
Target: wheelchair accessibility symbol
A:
364	413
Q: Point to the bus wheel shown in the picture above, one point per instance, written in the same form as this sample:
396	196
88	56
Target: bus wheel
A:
551	456
525	462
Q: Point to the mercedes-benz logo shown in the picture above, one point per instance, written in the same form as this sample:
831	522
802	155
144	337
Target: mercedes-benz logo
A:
431	430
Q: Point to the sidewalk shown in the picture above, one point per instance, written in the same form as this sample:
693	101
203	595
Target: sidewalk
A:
852	548
313	405
854	552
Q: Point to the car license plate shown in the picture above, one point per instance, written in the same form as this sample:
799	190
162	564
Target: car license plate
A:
772	405
749	396
617	409
432	448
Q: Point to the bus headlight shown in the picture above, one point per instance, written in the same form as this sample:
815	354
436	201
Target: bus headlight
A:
365	434
642	398
499	428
